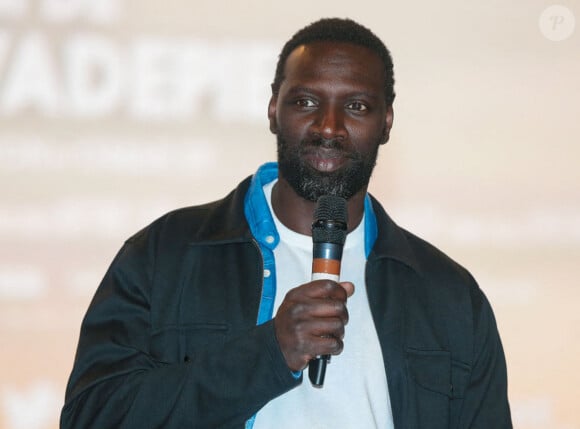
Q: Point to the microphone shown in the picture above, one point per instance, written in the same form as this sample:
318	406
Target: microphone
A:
328	236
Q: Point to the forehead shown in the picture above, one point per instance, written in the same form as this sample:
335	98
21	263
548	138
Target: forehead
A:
335	62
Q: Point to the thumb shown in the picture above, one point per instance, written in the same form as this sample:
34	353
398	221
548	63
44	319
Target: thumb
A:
348	287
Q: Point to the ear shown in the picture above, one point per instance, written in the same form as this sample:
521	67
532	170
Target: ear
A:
272	114
388	124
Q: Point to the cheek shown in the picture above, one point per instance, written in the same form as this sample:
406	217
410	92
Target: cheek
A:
292	127
289	133
366	137
365	132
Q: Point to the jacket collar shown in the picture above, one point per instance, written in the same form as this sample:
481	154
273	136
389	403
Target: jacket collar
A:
392	241
223	221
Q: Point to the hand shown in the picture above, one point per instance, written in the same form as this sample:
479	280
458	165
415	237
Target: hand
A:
310	321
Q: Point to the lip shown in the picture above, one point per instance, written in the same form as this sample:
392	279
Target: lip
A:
325	159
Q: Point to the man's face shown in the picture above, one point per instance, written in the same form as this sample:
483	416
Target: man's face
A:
330	116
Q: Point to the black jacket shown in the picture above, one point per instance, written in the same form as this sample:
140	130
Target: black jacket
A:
170	339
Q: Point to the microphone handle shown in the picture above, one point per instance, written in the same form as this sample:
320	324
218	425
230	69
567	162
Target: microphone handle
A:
325	266
317	370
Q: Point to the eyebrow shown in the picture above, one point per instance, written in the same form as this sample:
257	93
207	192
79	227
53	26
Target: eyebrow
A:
299	89
304	89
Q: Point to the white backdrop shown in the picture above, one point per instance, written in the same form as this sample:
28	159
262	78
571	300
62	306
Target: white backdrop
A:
113	112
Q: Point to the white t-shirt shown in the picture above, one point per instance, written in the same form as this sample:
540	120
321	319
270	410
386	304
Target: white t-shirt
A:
355	393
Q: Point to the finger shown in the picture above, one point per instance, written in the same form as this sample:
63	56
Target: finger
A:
322	308
327	346
323	289
327	328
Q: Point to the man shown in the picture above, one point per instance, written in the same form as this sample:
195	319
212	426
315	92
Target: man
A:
207	317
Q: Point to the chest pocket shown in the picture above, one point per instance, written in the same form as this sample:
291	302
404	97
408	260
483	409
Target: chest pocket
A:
436	385
176	344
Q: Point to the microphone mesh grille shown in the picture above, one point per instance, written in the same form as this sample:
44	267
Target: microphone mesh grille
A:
330	220
330	207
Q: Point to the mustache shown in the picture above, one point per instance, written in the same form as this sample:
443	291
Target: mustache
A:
336	144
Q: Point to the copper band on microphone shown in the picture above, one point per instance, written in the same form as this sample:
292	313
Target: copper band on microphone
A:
330	266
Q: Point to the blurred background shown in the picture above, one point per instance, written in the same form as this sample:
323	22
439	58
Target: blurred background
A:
113	112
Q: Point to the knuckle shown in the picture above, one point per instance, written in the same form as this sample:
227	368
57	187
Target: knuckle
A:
328	286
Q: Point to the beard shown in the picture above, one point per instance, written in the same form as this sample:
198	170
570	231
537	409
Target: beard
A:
310	183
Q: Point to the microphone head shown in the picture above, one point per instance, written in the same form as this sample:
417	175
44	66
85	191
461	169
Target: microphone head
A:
330	220
331	207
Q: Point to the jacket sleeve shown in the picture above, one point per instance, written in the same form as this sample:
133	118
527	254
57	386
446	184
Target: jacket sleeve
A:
485	403
118	382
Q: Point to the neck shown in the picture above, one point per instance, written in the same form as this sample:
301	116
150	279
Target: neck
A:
297	213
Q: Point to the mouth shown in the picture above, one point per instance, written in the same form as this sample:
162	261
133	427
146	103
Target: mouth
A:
325	159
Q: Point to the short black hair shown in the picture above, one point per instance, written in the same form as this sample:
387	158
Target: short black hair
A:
338	30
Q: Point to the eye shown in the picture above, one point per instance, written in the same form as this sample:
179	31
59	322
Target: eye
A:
357	106
305	102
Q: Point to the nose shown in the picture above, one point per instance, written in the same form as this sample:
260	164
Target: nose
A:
329	123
